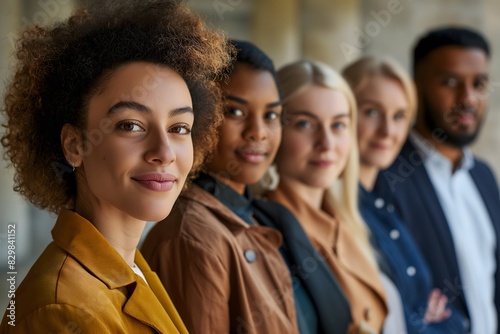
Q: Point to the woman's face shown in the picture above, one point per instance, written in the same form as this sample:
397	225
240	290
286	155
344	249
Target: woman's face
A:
251	132
383	121
316	137
138	149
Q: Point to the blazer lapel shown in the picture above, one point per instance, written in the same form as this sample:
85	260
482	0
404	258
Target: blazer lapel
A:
160	312
488	189
331	304
419	188
422	185
489	192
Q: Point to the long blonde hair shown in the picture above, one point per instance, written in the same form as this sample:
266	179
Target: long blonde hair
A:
343	194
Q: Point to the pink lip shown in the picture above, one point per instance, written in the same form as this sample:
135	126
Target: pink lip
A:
322	163
156	181
379	147
252	156
465	119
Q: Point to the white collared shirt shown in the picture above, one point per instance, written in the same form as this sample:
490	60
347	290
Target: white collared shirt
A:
139	272
395	322
471	229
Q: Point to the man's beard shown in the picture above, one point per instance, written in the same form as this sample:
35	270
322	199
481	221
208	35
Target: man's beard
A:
432	122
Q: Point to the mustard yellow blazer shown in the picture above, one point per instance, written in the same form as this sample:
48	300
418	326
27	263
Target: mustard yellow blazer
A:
80	284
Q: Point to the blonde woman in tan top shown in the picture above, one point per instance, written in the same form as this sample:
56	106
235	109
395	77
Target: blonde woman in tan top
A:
318	167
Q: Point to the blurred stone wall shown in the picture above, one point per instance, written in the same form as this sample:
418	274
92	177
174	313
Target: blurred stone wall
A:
334	32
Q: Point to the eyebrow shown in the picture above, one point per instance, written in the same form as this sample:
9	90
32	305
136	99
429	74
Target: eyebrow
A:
379	105
311	115
142	108
368	101
245	102
484	76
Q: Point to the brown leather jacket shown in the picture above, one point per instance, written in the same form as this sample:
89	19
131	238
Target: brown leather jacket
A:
222	274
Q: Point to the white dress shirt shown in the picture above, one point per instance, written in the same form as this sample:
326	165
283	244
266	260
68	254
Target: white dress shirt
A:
395	322
471	229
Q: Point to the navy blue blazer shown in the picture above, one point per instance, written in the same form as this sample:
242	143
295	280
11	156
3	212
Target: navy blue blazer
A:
332	307
401	260
409	187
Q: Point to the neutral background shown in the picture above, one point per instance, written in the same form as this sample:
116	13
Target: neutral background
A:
335	32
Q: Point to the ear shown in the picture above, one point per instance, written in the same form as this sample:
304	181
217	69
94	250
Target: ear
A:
72	145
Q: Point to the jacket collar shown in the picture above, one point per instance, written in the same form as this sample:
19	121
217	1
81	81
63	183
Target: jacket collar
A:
322	285
78	237
198	195
239	204
82	241
323	227
334	235
225	215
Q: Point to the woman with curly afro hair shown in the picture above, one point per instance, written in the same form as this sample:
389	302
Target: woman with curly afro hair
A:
108	114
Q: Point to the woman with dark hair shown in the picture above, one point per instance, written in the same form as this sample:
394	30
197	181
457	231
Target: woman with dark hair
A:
220	254
103	112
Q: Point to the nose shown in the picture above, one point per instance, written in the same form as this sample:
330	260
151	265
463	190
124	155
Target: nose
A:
255	129
385	127
159	151
326	140
468	95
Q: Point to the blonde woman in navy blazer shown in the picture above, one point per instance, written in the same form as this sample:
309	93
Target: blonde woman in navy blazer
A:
386	100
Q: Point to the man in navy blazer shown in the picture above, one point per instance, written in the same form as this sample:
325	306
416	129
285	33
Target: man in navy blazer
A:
450	199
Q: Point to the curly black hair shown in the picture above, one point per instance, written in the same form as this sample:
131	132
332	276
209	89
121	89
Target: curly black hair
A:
61	66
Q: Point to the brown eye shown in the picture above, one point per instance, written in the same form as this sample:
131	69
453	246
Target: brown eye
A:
234	112
128	126
272	115
182	129
450	82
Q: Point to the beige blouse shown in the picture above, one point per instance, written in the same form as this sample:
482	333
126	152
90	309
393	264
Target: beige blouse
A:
357	275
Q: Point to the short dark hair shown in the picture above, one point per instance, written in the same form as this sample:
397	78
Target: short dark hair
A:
447	36
250	54
60	67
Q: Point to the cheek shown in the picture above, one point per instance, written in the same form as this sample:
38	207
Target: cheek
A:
366	129
363	138
440	98
184	153
229	135
275	138
109	155
345	145
293	146
402	133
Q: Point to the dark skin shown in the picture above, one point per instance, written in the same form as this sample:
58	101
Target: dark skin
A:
452	91
251	132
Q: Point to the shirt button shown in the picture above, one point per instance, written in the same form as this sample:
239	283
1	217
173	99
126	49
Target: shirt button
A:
390	208
250	255
394	234
379	203
411	271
